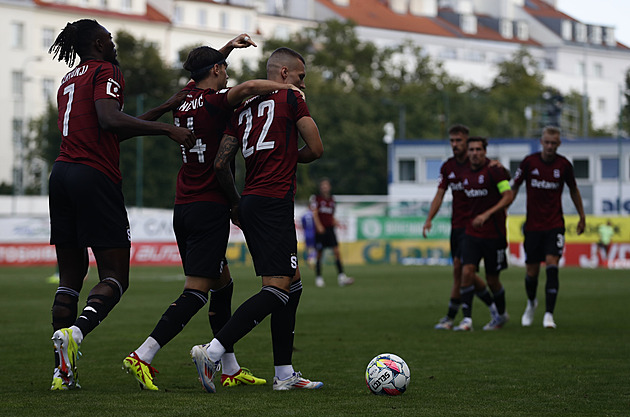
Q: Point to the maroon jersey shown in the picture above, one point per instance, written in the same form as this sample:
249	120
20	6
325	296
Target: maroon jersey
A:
266	127
545	181
481	193
83	140
451	175
206	113
325	209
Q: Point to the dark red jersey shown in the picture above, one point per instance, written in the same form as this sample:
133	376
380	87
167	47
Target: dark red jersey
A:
266	127
545	181
83	141
481	193
206	113
325	207
451	175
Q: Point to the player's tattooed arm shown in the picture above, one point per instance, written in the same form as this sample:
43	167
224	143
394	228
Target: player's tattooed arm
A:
222	167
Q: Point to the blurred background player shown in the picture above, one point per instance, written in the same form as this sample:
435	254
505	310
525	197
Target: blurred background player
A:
450	175
323	208
266	129
545	174
308	227
488	194
605	232
201	217
87	207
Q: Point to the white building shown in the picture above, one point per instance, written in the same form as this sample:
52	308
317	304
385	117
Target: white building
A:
468	36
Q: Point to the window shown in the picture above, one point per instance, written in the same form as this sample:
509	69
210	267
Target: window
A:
17	35
610	168
247	23
580	32
48	89
522	31
177	14
224	20
601	104
514	164
282	32
407	170
506	28
581	68
567	30
598	70
433	168
103	4
609	36
17	79
580	168
596	34
48	37
468	24
203	18
126	5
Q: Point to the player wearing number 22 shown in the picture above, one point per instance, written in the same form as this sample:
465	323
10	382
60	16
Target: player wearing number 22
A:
266	129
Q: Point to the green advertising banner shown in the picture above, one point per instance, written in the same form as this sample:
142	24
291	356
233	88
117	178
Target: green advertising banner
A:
381	227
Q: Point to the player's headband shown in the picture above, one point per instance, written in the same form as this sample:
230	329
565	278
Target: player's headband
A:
202	71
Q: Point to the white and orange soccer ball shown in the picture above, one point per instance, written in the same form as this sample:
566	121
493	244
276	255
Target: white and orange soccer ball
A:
387	374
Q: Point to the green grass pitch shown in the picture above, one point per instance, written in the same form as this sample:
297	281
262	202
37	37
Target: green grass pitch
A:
580	369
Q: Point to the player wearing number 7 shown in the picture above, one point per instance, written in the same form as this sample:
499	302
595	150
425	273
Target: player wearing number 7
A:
201	217
266	129
87	207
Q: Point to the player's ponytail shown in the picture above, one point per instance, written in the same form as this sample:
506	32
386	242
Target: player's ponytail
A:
75	39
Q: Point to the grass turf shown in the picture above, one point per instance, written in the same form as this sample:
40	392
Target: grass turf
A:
581	368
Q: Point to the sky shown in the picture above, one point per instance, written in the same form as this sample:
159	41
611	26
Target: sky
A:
603	12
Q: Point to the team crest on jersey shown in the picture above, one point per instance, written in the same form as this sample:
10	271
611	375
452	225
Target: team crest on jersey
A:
481	179
451	175
535	172
556	173
113	88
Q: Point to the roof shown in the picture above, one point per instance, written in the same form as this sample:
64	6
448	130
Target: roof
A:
377	14
151	15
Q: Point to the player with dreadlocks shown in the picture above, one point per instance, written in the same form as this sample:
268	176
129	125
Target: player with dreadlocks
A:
87	206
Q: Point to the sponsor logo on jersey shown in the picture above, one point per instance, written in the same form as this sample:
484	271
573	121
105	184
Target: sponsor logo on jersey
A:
457	186
545	185
451	175
474	193
535	172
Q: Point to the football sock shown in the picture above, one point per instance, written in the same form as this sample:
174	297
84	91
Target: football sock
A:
77	334
178	315
252	312
484	295
283	327
215	350
284	372
499	300
64	308
339	266
102	299
453	307
467	294
531	285
220	309
229	364
551	288
318	268
147	351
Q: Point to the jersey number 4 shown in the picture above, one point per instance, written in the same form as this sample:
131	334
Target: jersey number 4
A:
265	109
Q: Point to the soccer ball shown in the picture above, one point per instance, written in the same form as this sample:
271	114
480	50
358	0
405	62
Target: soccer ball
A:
387	374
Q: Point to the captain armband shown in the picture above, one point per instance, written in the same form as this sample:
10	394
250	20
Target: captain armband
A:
503	186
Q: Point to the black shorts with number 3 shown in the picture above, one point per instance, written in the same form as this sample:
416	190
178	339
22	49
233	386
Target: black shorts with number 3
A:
540	243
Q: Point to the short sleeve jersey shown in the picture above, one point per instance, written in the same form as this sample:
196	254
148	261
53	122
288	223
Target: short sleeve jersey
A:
266	127
83	140
481	193
451	176
325	207
544	182
206	113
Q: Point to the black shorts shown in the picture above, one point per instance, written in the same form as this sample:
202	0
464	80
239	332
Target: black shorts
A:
492	251
540	243
87	209
457	242
202	230
269	228
328	239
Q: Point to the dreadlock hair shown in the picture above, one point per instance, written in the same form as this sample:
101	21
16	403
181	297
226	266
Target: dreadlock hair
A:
201	60
75	39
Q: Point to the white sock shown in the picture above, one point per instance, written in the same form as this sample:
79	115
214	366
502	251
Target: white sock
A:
229	364
215	350
147	351
77	334
493	310
284	372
